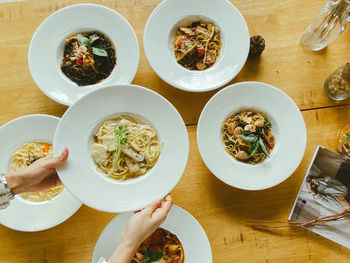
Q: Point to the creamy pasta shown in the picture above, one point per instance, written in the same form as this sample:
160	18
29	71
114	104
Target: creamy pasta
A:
124	148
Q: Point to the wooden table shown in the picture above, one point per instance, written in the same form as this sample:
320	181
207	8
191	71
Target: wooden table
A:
221	210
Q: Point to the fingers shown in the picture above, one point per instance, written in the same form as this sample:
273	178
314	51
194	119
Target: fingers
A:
152	207
162	212
59	160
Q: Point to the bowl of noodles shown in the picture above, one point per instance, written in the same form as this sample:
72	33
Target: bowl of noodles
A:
251	135
172	242
25	140
92	46
123	151
200	46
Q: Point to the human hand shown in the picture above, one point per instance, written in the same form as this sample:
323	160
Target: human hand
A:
140	226
39	176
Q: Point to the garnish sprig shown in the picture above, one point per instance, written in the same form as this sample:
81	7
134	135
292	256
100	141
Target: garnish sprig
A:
88	43
255	141
121	133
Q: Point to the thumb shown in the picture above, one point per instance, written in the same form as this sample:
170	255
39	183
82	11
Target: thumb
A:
59	160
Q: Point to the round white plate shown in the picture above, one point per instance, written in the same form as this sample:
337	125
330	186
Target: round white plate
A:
47	45
22	214
82	120
160	32
179	222
288	127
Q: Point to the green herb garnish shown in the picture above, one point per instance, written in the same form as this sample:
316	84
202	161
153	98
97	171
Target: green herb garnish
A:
120	142
150	256
256	143
88	43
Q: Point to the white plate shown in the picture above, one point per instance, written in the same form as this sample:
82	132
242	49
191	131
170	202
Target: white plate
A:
47	45
160	32
288	127
82	120
22	214
179	222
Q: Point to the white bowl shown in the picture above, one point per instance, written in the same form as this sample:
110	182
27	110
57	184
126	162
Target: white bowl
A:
47	46
160	31
81	121
22	214
179	222
288	127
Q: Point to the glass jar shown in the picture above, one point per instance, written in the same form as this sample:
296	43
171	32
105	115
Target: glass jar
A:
344	140
327	25
337	85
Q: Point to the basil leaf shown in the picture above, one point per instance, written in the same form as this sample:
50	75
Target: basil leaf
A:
93	40
99	52
263	148
155	255
245	133
82	40
254	148
251	138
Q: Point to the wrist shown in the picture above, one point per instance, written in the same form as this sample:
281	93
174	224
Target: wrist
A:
14	182
124	252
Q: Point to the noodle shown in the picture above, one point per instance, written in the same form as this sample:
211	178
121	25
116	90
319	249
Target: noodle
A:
197	46
165	245
247	137
124	148
25	156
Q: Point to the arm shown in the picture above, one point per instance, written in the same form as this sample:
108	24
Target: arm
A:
39	176
140	226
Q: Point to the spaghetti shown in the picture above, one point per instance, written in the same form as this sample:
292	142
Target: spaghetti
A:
25	156
197	46
247	137
125	148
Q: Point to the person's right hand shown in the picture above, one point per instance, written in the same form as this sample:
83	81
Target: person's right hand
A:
140	226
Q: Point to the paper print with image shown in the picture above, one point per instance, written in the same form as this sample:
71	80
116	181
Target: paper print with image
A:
325	191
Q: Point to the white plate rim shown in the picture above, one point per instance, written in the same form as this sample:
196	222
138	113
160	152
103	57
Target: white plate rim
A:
58	144
175	211
213	169
69	101
172	83
73	203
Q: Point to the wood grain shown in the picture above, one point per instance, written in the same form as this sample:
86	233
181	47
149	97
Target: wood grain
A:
222	211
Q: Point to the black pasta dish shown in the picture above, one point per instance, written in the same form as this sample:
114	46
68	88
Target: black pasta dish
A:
88	58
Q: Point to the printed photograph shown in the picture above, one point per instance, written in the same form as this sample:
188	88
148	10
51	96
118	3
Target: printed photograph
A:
324	192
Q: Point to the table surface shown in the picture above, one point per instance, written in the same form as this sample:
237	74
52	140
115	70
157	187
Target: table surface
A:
220	209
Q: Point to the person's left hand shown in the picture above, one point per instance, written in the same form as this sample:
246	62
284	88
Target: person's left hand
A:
39	176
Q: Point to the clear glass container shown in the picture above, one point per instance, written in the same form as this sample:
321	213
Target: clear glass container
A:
327	25
337	85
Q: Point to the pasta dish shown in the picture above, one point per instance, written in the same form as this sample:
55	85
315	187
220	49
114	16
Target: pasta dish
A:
197	46
25	156
88	58
247	137
124	148
162	247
